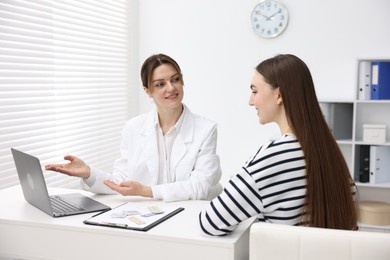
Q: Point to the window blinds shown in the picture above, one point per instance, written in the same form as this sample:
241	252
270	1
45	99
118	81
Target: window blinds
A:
64	84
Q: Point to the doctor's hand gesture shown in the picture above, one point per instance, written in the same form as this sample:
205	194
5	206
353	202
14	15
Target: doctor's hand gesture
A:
130	188
76	167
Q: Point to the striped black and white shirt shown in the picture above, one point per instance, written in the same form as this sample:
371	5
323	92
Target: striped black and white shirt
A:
271	186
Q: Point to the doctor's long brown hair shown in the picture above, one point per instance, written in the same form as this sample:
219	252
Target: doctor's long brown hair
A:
329	197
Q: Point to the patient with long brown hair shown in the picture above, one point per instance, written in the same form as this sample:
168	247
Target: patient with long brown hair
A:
300	178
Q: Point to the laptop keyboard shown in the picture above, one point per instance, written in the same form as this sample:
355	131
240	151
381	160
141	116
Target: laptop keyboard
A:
61	206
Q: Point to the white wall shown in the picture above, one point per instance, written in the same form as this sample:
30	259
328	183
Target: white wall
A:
217	50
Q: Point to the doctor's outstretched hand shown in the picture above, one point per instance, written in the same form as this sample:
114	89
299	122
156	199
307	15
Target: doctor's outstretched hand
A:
130	188
76	167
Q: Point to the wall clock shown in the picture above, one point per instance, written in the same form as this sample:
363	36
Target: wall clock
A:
269	18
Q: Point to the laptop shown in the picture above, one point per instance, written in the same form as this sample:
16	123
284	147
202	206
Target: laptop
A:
35	190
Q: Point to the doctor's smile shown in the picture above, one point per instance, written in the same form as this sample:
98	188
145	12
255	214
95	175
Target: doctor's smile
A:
173	96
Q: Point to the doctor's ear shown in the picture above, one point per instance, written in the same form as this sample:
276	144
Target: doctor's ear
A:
147	91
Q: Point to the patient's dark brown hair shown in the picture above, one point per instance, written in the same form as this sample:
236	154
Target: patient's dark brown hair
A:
330	188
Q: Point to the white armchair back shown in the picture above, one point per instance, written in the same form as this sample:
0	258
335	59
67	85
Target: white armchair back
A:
279	242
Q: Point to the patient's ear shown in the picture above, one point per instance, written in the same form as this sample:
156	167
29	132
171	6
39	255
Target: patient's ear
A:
279	99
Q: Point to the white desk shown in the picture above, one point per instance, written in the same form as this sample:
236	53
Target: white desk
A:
28	233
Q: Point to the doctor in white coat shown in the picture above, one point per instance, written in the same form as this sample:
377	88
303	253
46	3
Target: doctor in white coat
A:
167	154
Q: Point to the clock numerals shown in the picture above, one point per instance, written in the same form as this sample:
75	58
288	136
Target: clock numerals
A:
269	18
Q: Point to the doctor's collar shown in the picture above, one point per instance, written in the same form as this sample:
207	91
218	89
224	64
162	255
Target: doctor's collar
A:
179	122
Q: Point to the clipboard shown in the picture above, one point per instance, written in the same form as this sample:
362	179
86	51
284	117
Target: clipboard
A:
134	216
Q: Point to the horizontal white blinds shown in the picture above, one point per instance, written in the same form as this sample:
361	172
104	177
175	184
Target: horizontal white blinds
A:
64	86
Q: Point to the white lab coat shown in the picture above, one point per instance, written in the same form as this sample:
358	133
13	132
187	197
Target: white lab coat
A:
194	161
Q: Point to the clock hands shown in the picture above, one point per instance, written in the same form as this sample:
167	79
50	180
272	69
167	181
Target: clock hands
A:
266	17
270	18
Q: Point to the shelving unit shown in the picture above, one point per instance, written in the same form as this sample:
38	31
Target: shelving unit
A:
346	120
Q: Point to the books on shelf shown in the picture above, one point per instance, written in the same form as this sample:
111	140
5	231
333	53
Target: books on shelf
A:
374	80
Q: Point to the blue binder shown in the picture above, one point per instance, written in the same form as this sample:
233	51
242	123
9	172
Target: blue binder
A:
380	80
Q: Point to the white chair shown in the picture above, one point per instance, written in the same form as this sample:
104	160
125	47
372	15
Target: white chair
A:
279	242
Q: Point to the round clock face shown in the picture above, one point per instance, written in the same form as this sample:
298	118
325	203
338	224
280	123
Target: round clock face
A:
269	18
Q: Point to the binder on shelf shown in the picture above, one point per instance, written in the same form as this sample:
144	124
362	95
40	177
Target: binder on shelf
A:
379	164
364	80
364	164
380	80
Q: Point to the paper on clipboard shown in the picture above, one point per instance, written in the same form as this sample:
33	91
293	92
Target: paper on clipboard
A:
135	216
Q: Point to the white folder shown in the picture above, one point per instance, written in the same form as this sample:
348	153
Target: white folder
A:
364	83
379	164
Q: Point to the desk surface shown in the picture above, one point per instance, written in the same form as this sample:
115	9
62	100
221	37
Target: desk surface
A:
26	232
